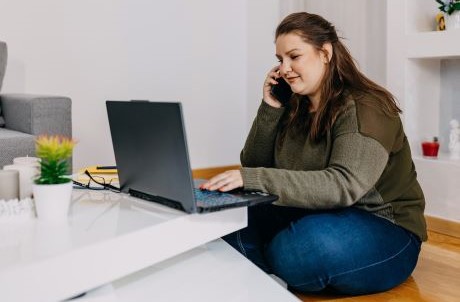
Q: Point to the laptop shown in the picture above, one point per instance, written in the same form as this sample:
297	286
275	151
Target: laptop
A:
151	155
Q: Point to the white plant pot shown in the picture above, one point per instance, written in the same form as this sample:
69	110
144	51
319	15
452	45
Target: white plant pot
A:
52	201
453	20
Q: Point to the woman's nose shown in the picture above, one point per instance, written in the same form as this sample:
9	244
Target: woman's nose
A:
285	68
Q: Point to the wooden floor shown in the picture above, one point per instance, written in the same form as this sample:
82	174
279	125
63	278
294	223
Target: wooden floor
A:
436	277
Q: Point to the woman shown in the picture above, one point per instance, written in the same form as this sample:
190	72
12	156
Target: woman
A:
350	214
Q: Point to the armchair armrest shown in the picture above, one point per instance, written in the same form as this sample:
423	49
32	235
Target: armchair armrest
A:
37	114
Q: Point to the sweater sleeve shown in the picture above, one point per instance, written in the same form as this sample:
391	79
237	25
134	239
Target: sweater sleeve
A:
260	144
355	165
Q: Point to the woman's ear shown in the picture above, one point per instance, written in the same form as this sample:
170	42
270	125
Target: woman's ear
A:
327	52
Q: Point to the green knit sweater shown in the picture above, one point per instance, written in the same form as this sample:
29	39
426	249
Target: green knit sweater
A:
363	161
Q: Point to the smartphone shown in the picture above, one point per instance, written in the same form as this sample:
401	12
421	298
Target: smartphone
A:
281	91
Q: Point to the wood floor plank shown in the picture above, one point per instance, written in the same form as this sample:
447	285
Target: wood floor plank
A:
443	226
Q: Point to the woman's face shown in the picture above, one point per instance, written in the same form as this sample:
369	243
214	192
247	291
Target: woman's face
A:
301	65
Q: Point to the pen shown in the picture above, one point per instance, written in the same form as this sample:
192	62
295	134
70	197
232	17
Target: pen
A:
105	167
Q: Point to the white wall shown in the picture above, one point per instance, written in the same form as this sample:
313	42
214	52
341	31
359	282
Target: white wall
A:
212	55
263	17
362	24
176	50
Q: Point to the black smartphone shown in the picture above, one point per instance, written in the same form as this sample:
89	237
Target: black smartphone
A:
281	91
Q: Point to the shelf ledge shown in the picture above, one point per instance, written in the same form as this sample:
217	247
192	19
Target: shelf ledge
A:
433	45
443	158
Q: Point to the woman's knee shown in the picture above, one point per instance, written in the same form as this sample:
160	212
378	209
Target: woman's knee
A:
298	260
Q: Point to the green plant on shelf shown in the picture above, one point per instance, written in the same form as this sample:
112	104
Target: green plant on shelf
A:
54	151
449	6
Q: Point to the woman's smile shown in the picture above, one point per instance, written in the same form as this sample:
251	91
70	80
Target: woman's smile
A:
291	80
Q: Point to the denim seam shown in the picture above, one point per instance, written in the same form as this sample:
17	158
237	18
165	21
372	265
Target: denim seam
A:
240	243
361	268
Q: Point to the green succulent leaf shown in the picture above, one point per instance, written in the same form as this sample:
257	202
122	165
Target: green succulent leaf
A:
54	152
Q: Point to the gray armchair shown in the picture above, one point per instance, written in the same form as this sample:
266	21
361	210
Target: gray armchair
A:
26	116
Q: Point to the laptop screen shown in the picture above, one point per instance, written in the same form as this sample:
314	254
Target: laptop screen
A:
150	148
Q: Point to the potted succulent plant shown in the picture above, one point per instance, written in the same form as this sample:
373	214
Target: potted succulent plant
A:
52	189
452	10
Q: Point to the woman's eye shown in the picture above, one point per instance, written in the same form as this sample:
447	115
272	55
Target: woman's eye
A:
294	57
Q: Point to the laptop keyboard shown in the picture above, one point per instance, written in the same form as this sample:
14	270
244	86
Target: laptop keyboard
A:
215	198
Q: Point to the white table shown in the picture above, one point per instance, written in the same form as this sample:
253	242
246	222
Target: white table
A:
108	236
212	272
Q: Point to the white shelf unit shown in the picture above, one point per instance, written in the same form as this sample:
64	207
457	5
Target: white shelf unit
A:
422	70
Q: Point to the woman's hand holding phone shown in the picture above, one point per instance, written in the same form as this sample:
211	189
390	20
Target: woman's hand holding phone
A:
271	80
277	91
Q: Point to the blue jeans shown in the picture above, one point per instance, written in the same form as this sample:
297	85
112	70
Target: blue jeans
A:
346	251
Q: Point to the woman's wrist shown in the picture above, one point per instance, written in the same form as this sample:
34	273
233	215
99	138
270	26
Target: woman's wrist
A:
274	104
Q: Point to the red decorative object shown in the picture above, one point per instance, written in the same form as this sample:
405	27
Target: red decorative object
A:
430	149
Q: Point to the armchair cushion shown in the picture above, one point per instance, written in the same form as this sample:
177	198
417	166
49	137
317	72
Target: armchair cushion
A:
15	144
37	114
27	116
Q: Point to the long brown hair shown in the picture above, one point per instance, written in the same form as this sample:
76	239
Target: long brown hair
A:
341	75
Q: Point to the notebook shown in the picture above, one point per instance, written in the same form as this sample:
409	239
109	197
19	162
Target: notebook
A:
151	155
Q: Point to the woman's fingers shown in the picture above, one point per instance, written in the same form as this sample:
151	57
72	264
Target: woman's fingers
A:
226	181
214	182
272	77
271	80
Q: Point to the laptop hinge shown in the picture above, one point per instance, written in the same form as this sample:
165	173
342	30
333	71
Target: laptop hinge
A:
165	201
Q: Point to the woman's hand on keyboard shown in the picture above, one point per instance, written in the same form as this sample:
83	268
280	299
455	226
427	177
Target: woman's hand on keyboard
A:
224	182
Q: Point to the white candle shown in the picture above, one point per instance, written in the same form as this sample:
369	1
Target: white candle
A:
9	184
27	161
28	168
